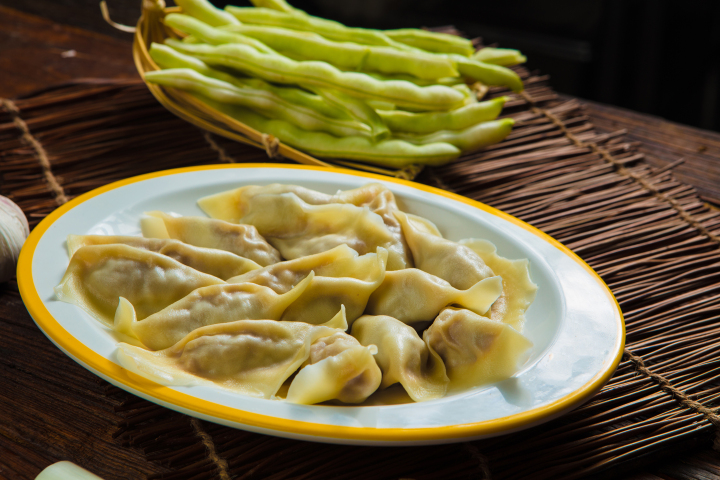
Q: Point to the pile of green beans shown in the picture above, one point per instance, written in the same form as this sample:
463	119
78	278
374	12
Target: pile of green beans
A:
386	97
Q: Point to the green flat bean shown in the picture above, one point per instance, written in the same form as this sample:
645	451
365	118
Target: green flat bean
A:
279	5
350	55
447	81
505	57
389	153
213	36
487	73
260	100
167	57
432	41
206	12
467	140
458	119
327	28
279	69
359	110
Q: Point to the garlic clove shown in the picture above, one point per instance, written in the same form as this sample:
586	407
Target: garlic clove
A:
14	229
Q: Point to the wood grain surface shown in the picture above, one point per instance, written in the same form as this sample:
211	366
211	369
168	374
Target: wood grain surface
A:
36	53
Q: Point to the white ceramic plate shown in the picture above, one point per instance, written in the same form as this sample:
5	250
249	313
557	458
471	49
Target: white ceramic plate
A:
575	323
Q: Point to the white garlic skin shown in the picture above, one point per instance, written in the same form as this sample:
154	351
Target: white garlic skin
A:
14	229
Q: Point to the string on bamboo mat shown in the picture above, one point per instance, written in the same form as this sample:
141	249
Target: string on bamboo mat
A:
220	462
684	214
222	154
40	153
681	397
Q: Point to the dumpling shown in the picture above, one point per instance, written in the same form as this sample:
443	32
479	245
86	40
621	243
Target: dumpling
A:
297	228
455	263
518	289
475	349
99	274
412	295
208	306
242	240
341	261
233	205
252	357
338	368
403	357
325	294
218	263
342	277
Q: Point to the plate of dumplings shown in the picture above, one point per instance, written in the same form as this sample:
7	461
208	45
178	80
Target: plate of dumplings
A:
321	304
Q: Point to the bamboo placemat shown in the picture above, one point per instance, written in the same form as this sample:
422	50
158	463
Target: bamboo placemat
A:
653	241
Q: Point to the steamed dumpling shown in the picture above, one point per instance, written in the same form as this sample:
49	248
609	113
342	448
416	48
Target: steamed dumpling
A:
233	205
297	228
412	295
518	290
338	368
218	263
341	261
325	294
453	262
208	306
403	357
341	277
252	357
475	349
242	240
99	274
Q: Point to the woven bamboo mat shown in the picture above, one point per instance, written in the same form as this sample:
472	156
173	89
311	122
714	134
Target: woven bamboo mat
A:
649	236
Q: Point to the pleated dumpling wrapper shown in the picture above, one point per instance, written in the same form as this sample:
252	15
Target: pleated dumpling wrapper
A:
338	368
207	306
242	240
518	289
474	349
412	296
455	263
251	357
298	229
403	357
233	205
341	277
218	263
98	274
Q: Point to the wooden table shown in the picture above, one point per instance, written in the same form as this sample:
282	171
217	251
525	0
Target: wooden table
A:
37	53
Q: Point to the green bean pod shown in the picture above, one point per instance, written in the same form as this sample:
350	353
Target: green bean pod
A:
167	57
458	119
347	55
259	100
213	36
432	41
468	140
447	81
358	109
505	57
280	69
389	153
306	23
488	73
206	12
279	5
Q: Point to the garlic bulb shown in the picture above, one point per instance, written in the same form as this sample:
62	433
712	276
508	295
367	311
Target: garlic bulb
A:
14	230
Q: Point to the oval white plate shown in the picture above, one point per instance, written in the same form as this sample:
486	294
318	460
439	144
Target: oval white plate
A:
575	323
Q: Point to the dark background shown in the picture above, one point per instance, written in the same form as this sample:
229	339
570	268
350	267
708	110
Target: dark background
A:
655	56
